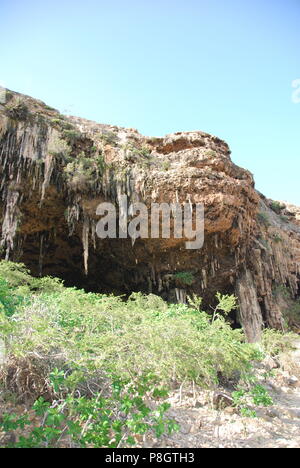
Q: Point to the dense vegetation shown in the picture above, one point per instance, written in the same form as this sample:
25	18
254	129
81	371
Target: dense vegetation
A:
97	368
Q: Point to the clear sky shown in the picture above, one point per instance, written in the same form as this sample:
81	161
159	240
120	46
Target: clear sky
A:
222	66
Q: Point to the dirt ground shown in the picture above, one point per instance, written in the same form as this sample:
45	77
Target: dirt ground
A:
276	426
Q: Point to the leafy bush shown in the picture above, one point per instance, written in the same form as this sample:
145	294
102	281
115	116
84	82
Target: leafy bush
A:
188	348
94	333
111	418
226	303
88	362
275	342
257	395
8	300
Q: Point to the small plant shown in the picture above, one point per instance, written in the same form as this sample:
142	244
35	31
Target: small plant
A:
263	218
210	154
261	396
226	303
284	218
248	413
49	108
60	123
264	242
184	277
55	121
17	109
275	342
58	147
83	173
257	395
109	138
276	206
166	165
194	301
72	136
133	153
277	238
8	299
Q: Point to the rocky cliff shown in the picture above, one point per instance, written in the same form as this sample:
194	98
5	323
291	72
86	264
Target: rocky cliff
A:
55	170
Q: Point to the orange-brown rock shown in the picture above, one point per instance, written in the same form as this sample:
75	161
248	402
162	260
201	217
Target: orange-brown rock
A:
55	170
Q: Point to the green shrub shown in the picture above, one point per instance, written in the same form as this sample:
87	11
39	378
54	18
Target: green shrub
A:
275	342
17	109
109	138
184	277
84	172
166	165
245	399
110	418
276	206
284	218
8	299
277	238
94	333
226	303
210	154
72	135
263	218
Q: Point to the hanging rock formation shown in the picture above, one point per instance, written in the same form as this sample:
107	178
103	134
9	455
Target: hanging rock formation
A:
55	170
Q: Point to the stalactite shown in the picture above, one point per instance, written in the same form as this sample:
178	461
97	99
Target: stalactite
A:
41	254
160	284
10	221
204	275
72	216
93	234
180	295
85	242
47	175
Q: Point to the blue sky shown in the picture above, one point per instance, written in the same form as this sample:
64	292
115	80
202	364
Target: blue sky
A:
224	67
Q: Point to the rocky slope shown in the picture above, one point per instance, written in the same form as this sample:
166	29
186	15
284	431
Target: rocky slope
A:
55	170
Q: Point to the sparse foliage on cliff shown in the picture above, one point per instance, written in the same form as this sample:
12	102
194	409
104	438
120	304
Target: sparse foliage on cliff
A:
276	206
263	218
17	109
83	173
109	138
72	135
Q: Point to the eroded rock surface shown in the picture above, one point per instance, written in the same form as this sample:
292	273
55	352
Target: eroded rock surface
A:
55	170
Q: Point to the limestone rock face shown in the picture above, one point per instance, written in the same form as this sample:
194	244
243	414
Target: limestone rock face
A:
55	170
